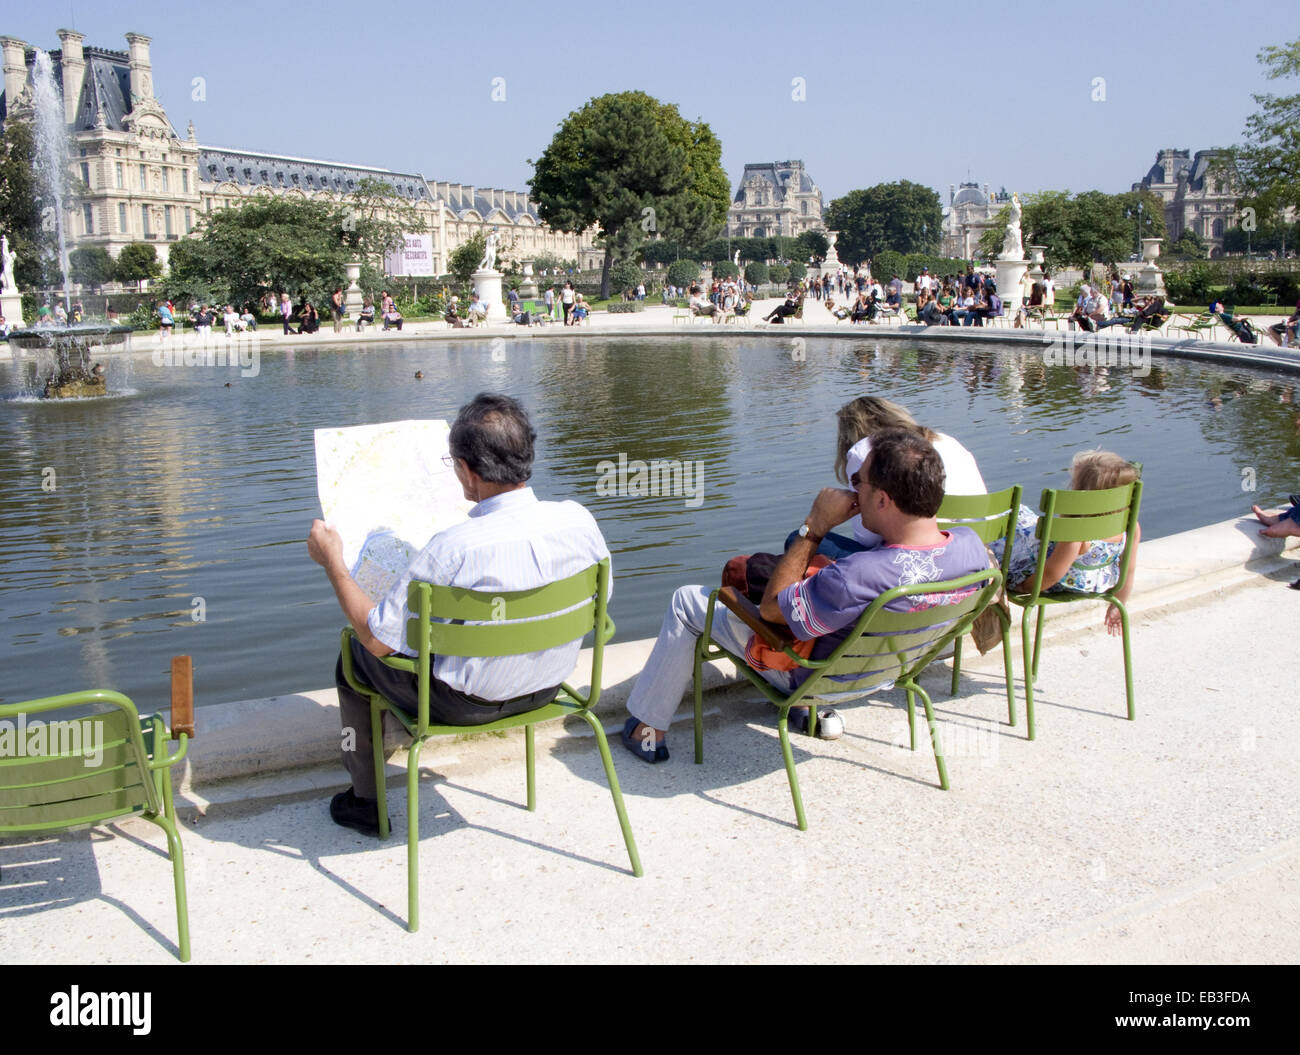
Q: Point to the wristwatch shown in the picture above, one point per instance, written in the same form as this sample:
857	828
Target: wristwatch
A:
806	532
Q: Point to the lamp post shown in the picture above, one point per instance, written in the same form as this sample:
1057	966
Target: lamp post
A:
1139	228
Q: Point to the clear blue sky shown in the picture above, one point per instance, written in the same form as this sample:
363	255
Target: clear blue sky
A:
1005	96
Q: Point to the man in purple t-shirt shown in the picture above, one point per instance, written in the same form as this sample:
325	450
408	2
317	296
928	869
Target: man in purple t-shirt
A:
897	494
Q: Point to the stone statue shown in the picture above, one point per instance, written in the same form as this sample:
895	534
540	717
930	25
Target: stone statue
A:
489	261
1012	246
7	281
737	260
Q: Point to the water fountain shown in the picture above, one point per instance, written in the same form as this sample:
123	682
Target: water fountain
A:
71	376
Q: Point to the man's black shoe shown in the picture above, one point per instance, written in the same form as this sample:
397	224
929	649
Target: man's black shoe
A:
353	812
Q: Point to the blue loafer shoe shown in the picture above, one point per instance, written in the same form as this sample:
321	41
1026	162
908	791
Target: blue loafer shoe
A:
637	744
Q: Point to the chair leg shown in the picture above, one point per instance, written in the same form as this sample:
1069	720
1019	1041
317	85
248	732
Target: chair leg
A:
1128	661
530	755
412	837
699	703
1010	674
377	746
1038	638
934	735
782	726
911	718
174	851
615	791
1026	656
956	666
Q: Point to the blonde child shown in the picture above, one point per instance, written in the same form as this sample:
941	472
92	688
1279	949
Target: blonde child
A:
1077	567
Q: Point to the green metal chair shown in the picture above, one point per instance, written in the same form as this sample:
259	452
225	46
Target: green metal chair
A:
883	647
60	789
1079	516
556	614
991	516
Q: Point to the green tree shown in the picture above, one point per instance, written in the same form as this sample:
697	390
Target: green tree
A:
625	276
137	262
631	166
682	273
269	245
91	266
23	204
465	259
375	217
756	273
1268	164
1188	246
902	216
725	269
797	270
812	244
778	273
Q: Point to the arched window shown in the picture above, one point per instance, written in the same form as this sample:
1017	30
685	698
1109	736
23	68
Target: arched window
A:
803	208
1218	228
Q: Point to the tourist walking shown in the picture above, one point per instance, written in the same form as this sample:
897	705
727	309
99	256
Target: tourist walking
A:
286	312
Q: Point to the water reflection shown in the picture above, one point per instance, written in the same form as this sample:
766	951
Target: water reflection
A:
174	517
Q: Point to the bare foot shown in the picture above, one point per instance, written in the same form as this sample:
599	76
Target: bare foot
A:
1265	518
1283	527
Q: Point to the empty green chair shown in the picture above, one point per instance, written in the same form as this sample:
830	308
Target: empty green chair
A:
883	647
1079	516
82	770
556	614
991	517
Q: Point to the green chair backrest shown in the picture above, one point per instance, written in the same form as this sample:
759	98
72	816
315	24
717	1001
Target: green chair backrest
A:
1087	516
991	516
887	645
86	769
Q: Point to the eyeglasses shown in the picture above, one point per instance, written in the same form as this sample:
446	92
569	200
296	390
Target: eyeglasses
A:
449	461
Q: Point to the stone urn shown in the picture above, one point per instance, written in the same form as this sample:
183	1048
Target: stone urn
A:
1036	261
528	286
353	299
1151	250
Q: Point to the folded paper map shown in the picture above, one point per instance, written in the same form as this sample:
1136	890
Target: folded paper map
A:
386	491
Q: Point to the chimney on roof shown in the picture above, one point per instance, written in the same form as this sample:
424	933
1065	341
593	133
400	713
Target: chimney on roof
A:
74	72
952	192
15	59
141	68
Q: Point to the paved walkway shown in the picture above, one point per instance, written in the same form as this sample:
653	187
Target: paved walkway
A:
1173	839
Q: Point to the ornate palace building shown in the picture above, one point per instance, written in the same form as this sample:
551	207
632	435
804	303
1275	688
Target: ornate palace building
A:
775	198
142	181
1195	197
971	212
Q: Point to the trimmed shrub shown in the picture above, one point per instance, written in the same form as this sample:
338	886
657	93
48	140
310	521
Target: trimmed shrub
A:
725	269
683	273
778	274
798	271
624	276
622	307
756	273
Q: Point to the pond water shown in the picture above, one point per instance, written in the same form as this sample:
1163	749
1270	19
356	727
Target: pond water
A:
126	518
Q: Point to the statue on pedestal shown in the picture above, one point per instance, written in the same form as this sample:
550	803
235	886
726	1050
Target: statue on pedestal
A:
1012	246
489	261
7	282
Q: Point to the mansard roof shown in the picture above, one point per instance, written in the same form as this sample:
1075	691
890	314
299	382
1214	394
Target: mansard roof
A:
785	176
248	168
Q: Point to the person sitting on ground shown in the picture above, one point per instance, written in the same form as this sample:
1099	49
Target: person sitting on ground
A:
1076	567
511	542
366	316
897	494
233	321
783	311
248	318
1241	327
927	311
392	317
1280	525
308	318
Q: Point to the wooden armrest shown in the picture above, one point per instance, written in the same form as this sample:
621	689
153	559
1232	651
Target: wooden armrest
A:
774	635
182	696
